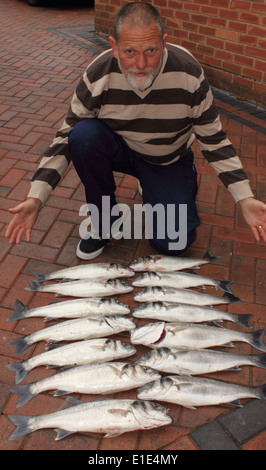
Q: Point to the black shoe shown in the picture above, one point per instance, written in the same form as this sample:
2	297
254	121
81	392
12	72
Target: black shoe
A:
90	248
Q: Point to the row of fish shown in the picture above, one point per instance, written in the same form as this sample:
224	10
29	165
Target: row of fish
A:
93	317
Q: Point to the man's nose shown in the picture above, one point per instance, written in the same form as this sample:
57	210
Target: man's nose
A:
141	61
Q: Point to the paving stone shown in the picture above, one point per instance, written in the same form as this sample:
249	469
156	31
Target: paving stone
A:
212	436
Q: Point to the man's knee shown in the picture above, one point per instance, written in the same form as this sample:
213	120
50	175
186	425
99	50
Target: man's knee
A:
173	247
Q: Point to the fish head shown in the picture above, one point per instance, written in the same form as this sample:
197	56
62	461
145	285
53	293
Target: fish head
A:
149	293
157	388
146	279
140	372
146	308
150	415
154	358
114	304
121	347
119	285
121	270
148	334
144	263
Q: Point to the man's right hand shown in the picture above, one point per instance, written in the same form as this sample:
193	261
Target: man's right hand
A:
25	215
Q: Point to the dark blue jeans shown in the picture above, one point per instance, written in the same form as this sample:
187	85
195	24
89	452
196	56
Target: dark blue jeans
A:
97	152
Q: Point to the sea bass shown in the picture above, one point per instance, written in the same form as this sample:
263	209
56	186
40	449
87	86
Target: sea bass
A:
110	416
88	271
84	288
192	335
176	312
179	279
73	330
196	391
185	296
198	361
89	351
169	263
75	308
104	378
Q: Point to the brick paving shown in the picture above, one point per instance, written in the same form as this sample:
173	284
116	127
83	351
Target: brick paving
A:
43	53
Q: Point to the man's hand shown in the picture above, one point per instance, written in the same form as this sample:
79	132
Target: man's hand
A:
25	215
254	213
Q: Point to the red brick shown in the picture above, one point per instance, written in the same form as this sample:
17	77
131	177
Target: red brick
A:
11	266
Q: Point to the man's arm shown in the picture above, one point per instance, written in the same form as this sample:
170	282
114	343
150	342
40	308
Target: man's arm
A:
254	213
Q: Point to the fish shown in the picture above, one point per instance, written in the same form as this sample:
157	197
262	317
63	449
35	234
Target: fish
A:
191	392
102	378
198	361
109	416
88	271
158	262
193	335
176	312
185	296
91	351
73	330
75	308
179	279
84	288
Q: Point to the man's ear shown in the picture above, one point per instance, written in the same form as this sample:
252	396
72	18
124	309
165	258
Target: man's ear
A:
113	46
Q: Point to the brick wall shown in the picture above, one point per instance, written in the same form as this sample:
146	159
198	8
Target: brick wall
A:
228	37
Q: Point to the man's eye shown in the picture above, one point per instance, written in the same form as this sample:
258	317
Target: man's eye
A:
130	51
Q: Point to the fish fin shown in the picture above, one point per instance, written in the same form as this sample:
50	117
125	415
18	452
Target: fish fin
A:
22	426
256	339
57	393
20	371
60	433
261	391
24	394
19	311
40	277
260	360
191	407
109	434
235	403
209	256
71	401
34	286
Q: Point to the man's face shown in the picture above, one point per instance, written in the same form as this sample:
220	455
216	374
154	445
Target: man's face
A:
139	52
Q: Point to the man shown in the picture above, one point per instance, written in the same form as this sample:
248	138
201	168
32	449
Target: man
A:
137	110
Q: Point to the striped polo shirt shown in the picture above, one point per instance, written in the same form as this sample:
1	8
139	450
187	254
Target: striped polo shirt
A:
160	124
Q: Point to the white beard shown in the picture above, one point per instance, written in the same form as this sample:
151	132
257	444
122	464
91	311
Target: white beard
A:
140	83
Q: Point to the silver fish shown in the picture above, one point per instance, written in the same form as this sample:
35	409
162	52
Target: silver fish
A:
73	330
110	416
104	378
84	288
89	351
179	279
192	335
198	361
169	263
185	296
176	312
75	308
87	271
196	391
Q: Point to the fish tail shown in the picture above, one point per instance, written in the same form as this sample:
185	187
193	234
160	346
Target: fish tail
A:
22	426
256	339
224	285
231	298
243	319
19	311
260	360
24	393
19	370
208	255
34	286
40	277
20	343
261	391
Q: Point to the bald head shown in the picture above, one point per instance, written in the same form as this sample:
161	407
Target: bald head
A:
136	14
